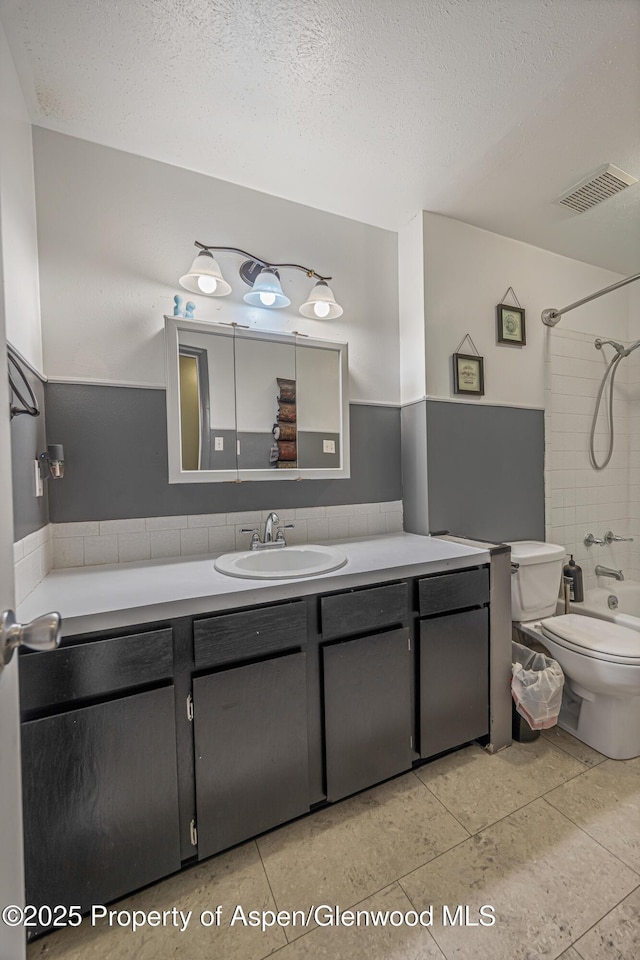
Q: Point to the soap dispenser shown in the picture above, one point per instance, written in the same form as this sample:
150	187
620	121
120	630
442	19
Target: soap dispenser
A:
572	574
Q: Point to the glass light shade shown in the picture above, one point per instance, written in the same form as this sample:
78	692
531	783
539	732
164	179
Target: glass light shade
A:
266	291
205	277
321	304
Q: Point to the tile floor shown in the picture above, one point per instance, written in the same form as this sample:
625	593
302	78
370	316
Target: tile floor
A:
546	833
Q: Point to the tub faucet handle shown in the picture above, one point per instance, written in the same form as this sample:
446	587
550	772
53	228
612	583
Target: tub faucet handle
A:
610	538
590	541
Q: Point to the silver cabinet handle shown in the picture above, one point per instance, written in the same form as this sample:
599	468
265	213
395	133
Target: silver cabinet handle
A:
43	633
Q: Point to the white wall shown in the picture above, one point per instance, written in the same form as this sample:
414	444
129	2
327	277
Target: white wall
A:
116	231
411	276
18	222
467	271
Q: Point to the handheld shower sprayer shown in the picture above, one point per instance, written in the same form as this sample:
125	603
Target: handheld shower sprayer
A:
609	375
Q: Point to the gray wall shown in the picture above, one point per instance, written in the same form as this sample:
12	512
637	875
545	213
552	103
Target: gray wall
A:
414	468
486	471
28	439
115	442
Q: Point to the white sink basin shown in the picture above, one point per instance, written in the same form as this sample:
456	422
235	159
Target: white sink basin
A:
281	563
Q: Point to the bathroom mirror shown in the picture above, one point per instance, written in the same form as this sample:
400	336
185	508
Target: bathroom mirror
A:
244	404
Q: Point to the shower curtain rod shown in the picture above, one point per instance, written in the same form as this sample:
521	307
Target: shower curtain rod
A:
551	316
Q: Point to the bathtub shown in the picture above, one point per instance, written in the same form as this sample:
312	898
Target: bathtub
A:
597	603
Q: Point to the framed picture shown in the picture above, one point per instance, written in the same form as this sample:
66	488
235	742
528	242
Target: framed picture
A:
511	327
468	374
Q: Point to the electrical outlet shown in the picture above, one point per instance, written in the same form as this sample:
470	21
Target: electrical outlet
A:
328	446
37	480
218	443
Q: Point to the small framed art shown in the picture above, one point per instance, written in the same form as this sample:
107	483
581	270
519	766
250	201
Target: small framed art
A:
511	328
468	374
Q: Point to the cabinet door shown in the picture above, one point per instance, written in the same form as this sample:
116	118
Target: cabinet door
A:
454	680
368	715
100	800
251	750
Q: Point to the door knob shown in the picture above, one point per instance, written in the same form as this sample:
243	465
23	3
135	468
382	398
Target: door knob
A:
43	633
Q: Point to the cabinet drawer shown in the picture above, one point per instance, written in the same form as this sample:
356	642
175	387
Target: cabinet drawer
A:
94	669
453	591
361	610
249	633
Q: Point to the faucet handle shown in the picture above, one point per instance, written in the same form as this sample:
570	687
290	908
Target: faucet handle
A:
590	540
282	527
610	537
255	536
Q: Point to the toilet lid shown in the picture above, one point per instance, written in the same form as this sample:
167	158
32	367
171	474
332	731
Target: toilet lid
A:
594	638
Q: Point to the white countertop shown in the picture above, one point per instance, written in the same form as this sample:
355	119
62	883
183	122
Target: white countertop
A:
123	594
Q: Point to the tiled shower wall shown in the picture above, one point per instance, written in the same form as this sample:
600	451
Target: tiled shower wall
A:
578	498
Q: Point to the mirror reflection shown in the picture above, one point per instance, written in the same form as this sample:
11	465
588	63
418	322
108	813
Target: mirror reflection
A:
244	404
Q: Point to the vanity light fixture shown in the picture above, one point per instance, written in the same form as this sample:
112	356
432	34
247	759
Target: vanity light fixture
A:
205	278
267	291
321	304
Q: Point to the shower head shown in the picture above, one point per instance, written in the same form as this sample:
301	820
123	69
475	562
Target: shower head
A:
622	351
618	347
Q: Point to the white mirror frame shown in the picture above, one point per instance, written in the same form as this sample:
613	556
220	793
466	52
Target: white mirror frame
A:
173	325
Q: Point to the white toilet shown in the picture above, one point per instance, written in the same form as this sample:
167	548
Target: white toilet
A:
600	660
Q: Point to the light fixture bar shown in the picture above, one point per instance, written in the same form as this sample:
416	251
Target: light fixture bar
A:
265	263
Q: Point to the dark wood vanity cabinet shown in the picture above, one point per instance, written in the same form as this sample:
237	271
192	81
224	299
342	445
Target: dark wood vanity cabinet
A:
250	735
368	716
100	800
453	659
250	722
99	777
454	680
276	707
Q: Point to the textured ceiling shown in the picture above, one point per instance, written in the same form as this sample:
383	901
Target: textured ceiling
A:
483	110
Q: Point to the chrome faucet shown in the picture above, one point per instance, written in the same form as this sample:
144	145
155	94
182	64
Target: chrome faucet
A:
608	572
268	527
268	538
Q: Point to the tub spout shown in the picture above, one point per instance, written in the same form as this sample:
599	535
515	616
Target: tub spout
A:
608	572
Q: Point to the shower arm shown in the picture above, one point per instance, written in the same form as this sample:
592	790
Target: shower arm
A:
551	316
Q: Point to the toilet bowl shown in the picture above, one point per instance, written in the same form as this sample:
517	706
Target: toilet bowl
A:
601	664
600	660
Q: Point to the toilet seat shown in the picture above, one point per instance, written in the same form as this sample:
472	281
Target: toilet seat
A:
597	639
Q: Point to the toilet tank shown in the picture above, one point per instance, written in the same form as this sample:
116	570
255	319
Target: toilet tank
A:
535	583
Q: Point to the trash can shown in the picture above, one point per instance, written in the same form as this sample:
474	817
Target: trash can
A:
536	688
520	729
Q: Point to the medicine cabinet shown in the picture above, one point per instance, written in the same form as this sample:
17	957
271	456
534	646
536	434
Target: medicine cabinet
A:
246	404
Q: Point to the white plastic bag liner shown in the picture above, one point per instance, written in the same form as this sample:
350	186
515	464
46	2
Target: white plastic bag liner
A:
536	686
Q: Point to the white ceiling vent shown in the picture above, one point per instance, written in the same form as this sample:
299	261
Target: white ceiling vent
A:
599	186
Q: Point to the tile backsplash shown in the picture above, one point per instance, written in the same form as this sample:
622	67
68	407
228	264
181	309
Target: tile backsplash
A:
33	559
60	545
